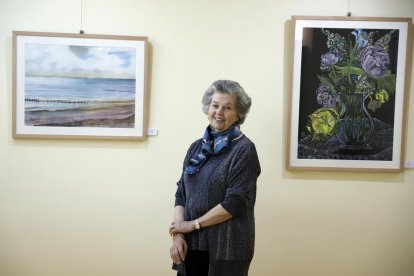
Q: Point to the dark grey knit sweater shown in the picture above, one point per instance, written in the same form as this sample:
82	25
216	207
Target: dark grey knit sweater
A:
230	179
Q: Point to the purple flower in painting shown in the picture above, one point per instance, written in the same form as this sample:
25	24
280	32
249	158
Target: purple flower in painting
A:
325	97
327	60
375	60
361	38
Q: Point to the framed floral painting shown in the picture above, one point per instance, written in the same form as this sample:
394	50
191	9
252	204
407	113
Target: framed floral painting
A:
349	83
79	86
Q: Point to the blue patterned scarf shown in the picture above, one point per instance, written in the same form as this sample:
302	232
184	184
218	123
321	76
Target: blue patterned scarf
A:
213	143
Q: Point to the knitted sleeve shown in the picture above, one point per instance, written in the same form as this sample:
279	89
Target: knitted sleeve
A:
180	192
244	171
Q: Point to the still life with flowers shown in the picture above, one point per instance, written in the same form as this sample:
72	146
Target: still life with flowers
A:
355	79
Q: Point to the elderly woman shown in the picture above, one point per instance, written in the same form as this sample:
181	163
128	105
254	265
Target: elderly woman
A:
213	226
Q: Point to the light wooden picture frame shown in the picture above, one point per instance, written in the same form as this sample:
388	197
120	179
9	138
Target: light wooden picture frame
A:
350	78
79	86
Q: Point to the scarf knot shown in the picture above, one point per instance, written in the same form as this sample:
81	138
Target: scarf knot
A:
214	143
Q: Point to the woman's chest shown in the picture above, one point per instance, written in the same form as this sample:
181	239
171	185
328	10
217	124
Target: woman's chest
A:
211	180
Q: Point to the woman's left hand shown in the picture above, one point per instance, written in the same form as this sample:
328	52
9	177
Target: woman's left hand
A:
178	250
182	227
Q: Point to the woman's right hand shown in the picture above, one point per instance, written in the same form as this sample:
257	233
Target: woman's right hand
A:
178	250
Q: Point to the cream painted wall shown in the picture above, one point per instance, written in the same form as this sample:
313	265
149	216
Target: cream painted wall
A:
97	208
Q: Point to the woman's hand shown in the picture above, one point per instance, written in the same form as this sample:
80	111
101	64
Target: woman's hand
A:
178	250
182	227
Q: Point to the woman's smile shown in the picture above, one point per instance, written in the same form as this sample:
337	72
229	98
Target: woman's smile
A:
222	112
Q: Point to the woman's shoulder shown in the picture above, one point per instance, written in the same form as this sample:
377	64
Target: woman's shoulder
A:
197	143
194	147
244	154
245	142
243	147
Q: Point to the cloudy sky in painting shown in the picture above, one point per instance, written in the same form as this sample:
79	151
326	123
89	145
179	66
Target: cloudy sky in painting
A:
80	61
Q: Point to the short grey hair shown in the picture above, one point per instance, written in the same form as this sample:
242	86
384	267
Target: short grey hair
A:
243	101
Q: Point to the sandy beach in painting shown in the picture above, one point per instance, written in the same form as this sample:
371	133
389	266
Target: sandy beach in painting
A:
119	114
80	102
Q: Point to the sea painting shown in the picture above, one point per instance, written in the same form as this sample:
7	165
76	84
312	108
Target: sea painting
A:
79	86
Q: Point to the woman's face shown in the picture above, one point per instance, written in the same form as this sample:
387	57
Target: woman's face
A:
222	112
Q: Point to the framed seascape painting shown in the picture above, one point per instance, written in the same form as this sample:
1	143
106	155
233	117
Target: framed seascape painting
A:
350	79
79	86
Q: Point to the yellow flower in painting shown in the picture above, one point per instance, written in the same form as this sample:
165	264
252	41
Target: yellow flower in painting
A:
382	96
323	123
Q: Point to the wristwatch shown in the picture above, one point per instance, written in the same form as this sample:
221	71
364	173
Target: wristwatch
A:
197	225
